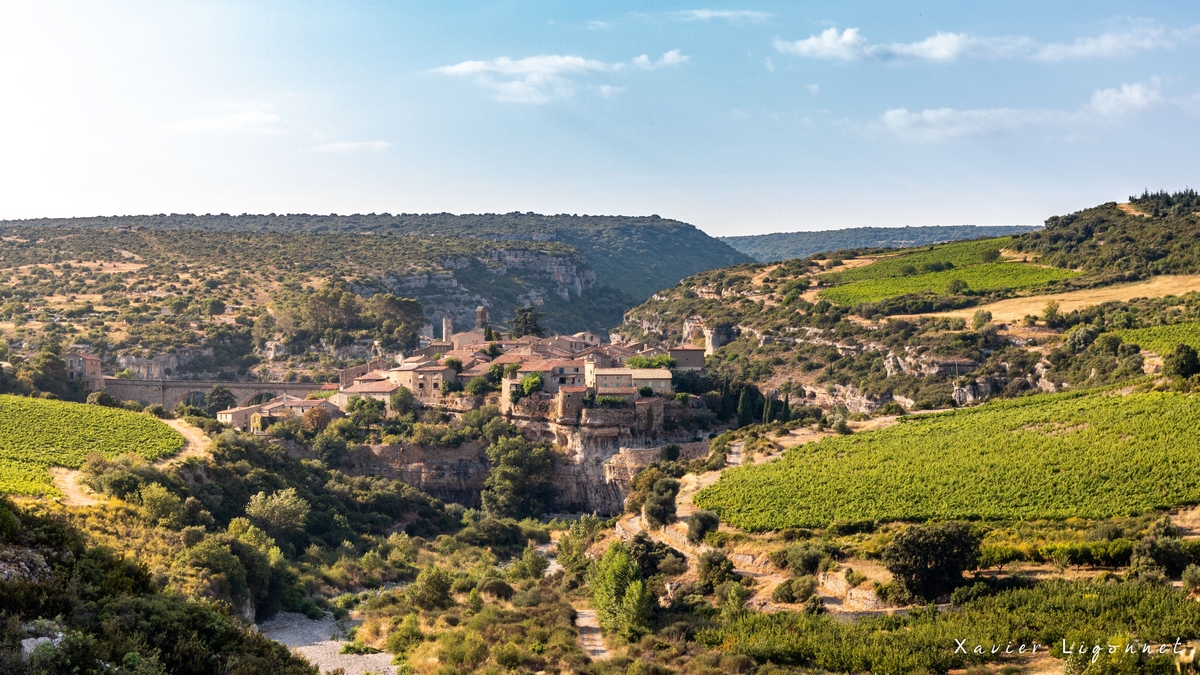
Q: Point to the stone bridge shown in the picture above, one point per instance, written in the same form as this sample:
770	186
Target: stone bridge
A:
169	393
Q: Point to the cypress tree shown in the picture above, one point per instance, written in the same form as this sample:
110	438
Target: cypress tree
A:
785	412
766	418
745	408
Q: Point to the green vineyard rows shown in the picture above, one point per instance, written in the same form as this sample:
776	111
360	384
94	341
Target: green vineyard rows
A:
1051	456
1162	339
36	434
982	277
959	254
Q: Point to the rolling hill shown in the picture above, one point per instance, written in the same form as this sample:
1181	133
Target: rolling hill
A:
584	271
785	245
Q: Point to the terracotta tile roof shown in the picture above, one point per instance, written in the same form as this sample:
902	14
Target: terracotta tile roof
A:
572	389
383	387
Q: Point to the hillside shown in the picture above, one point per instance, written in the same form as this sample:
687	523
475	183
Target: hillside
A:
864	328
929	467
37	434
612	262
785	245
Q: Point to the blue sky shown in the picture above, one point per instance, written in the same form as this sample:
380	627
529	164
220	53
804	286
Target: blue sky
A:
738	117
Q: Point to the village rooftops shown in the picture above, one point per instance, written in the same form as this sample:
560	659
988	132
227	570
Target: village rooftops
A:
377	387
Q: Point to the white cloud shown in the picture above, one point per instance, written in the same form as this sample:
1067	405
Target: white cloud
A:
352	146
671	58
1141	36
540	79
252	120
1127	99
608	91
948	123
596	25
850	45
814	88
724	14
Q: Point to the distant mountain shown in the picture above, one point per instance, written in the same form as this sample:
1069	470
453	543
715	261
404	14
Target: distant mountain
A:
583	271
787	245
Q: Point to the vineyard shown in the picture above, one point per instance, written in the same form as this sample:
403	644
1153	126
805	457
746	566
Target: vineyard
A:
981	277
958	254
1050	456
1162	339
924	640
36	434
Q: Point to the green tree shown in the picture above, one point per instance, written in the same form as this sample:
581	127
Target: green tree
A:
431	590
957	287
455	363
637	609
161	507
928	560
403	402
518	485
990	255
610	579
768	406
981	318
365	410
1182	362
700	524
282	511
531	383
526	323
219	398
214	307
745	408
659	507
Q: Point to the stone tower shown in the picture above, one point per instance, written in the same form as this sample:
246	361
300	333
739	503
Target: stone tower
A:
447	328
480	317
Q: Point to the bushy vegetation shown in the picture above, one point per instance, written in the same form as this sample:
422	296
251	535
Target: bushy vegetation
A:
36	434
1054	456
924	640
101	612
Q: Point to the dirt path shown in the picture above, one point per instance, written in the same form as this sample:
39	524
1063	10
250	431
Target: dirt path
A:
589	634
67	480
196	443
1015	309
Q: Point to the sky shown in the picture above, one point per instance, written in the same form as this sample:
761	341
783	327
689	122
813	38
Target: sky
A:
741	118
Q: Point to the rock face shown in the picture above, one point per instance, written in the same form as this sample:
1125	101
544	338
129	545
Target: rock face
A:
591	473
460	289
162	366
450	474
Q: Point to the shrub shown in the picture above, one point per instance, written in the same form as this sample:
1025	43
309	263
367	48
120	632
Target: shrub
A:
496	588
431	590
659	508
700	524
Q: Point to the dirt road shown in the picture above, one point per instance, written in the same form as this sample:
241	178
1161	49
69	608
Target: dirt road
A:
196	443
67	481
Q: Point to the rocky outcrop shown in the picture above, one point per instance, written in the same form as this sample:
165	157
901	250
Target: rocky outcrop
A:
161	366
450	474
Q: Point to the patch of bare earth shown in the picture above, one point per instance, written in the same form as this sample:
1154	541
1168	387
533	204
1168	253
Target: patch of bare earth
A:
1015	309
67	481
315	641
196	443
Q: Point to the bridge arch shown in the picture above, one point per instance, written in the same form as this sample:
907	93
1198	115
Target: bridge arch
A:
256	399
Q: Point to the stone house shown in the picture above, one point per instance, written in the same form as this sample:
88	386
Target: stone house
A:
687	357
83	366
